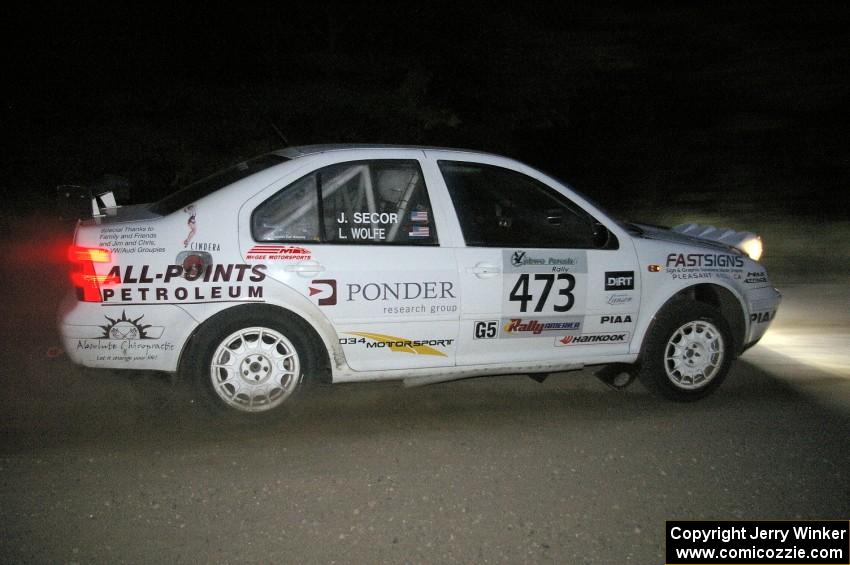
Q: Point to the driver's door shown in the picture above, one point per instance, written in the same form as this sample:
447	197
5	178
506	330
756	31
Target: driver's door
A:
541	279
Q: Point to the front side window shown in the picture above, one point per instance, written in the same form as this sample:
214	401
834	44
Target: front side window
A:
361	202
498	207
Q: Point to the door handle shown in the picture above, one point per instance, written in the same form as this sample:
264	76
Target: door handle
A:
306	268
484	270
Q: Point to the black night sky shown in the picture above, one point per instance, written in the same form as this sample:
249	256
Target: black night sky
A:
672	104
728	113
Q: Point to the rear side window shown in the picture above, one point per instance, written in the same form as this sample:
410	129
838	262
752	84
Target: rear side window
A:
290	215
360	202
498	207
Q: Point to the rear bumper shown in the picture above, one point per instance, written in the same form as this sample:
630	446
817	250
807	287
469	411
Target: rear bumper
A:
123	337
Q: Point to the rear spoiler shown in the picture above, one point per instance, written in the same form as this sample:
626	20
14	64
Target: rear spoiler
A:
92	200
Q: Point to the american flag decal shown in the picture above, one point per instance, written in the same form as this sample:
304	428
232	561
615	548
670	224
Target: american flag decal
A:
420	231
420	216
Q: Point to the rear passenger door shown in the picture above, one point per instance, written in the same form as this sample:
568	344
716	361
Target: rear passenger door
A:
362	243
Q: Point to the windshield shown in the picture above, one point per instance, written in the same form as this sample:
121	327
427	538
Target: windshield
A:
210	184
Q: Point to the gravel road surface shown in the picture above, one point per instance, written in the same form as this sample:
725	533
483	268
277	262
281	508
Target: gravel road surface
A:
101	466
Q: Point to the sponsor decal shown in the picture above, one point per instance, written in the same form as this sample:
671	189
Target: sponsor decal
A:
204	246
536	327
518	259
127	240
616	319
278	253
689	275
124	339
592	339
398	344
223	272
399	291
486	330
762	317
525	261
617	299
620	280
126	328
756	278
326	288
704	260
192	223
392	298
687	266
182	294
132	275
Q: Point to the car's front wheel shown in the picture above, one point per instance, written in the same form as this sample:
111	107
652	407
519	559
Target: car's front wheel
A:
688	352
250	361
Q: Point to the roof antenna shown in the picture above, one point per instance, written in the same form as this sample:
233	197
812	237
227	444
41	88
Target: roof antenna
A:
279	133
262	109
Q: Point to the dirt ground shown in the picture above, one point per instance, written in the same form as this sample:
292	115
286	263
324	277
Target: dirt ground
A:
101	466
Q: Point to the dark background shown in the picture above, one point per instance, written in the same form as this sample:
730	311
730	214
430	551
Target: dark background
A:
733	111
694	105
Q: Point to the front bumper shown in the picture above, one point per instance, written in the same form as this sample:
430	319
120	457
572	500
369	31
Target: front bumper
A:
762	306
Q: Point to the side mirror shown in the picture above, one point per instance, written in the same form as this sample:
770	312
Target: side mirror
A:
601	235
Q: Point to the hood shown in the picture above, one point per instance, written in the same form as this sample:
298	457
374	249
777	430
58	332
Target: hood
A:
666	234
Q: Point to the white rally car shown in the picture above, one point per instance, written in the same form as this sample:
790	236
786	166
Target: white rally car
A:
356	263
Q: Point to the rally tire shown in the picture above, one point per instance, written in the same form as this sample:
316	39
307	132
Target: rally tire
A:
252	361
687	353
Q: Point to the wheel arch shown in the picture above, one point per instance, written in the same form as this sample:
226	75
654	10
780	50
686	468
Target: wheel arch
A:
318	350
723	299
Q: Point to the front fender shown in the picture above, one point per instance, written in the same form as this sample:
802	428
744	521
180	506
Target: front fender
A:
718	293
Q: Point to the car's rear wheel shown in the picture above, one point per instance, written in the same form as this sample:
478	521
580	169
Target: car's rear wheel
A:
250	362
688	352
255	369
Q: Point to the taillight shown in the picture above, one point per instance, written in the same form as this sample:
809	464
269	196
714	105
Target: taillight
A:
83	275
94	254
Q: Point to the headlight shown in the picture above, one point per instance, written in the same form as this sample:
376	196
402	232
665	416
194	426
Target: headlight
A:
752	247
747	242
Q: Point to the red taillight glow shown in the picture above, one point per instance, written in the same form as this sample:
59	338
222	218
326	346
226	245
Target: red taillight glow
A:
84	277
95	254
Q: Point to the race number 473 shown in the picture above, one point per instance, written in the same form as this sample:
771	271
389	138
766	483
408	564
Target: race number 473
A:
524	293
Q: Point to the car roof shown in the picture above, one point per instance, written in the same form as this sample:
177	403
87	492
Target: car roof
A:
304	150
